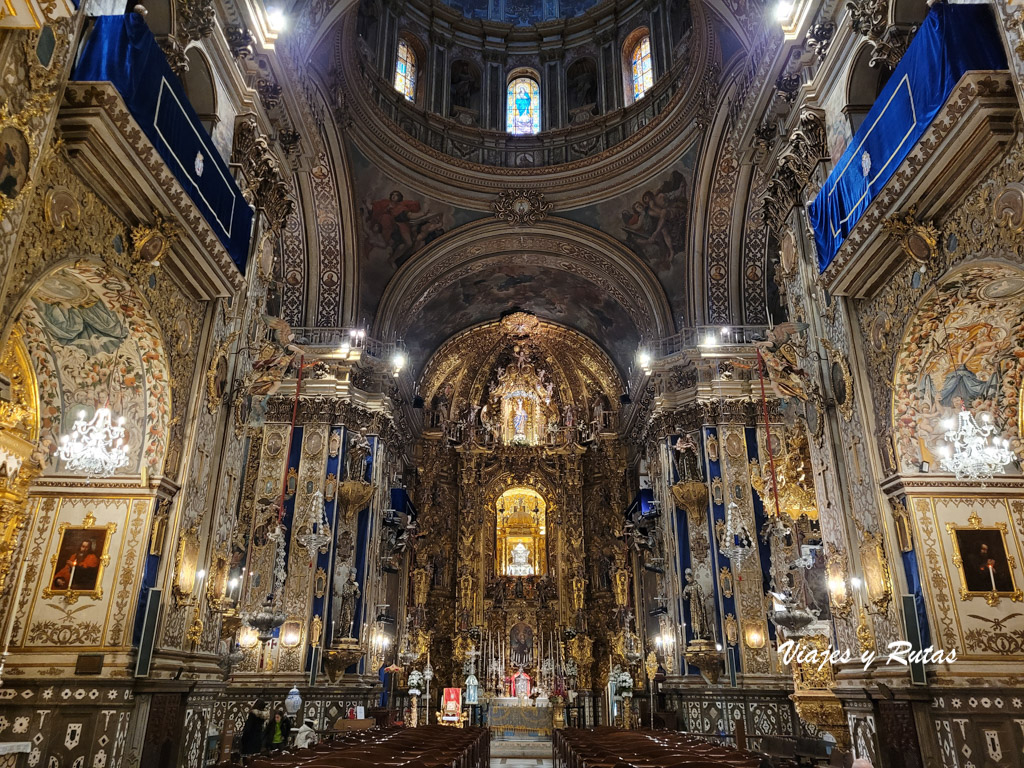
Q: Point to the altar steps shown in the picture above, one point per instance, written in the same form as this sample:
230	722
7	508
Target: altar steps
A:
514	750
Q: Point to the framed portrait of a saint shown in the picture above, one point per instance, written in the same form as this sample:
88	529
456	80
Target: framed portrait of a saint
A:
982	557
77	565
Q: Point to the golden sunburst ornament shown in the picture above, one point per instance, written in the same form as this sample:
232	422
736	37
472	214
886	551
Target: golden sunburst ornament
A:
519	323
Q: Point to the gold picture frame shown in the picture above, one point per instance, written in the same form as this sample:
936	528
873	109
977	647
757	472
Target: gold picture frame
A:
320	582
982	557
83	552
17	156
217	583
217	375
837	581
873	562
842	380
186	561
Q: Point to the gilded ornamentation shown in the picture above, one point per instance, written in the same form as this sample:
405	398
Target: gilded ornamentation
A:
339	658
150	243
865	637
186	562
707	658
195	630
842	380
732	629
521	206
877	581
316	629
217	374
1008	207
918	239
712	447
353	496
580	649
693	497
792	480
725	581
824	711
838	581
320	583
520	323
19	457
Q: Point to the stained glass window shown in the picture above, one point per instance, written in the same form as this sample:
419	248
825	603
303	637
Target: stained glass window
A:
405	71
523	107
643	75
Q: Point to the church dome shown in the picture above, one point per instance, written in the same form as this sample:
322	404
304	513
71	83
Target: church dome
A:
522	12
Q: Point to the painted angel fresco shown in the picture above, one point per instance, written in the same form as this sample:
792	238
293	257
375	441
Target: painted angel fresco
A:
655	225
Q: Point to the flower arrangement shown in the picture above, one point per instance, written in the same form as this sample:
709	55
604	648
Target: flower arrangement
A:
622	681
415	681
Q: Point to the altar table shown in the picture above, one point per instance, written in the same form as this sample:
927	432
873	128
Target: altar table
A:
520	720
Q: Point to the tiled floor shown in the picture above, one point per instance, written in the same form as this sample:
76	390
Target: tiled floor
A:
520	762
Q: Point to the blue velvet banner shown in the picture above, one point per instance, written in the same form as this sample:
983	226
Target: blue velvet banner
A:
953	39
122	50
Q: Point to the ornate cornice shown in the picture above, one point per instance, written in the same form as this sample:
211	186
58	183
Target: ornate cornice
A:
82	100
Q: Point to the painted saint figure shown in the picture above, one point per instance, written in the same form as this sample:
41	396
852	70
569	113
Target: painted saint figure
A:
80	570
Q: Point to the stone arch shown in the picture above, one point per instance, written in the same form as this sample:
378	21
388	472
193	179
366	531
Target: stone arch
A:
963	347
200	87
444	278
864	83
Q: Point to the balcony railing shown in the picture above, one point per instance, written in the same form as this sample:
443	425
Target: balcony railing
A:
501	149
707	338
349	338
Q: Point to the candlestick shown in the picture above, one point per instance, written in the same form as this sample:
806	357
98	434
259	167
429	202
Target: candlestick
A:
992	576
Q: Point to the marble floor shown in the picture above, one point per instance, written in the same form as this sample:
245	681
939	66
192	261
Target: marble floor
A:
520	762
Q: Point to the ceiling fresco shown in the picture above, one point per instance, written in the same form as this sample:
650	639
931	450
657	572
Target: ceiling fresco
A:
522	12
550	294
395	222
653	221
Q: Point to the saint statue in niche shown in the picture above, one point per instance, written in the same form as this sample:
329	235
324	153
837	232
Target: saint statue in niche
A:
694	594
519	422
346	596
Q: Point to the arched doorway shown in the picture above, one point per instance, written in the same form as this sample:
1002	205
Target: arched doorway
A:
521	545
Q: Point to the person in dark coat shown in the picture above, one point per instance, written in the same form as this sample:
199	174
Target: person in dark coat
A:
252	731
275	736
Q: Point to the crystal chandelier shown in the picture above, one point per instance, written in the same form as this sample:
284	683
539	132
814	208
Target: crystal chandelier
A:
96	447
737	543
317	535
272	615
975	453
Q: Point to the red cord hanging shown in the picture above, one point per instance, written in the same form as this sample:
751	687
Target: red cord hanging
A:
768	433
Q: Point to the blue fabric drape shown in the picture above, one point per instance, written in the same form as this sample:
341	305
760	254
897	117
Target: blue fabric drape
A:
953	39
914	585
122	50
